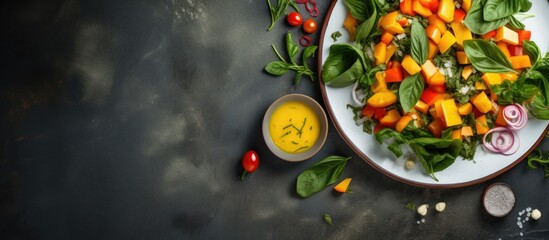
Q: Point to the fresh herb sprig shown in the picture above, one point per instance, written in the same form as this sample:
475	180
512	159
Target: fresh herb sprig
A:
279	10
539	158
281	67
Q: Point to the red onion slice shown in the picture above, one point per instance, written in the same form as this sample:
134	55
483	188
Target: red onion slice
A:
515	116
305	41
503	140
300	1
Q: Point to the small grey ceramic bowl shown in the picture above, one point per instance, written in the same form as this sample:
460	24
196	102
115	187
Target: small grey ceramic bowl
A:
317	109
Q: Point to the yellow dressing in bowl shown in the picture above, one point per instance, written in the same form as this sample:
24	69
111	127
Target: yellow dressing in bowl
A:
294	127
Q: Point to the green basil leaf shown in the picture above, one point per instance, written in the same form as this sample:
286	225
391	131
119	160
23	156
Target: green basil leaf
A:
486	56
532	50
322	174
497	9
475	19
360	9
364	30
410	90
277	68
350	76
515	24
420	43
341	57
526	6
538	107
308	52
291	47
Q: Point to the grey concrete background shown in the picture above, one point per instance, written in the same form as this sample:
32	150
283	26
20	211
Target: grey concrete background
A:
127	120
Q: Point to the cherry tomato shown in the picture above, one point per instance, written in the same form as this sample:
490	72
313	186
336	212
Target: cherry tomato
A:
294	19
310	25
250	162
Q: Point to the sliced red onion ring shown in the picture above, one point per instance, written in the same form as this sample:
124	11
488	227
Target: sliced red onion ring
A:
305	41
515	115
309	6
300	1
504	141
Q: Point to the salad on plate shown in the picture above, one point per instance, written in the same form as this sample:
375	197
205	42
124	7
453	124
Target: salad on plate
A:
437	78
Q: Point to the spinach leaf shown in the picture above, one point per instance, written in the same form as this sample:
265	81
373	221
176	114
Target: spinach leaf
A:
360	9
486	56
420	43
436	154
475	19
323	173
497	9
340	59
410	90
398	138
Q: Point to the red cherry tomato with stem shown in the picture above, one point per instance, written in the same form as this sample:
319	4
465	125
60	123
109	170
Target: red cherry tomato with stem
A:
310	25
250	162
294	19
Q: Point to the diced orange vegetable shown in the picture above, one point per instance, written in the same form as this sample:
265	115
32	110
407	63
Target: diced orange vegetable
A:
467	71
388	19
380	53
393	75
439	23
446	42
390	119
406	7
479	86
456	134
491	79
503	47
459	15
466	5
523	35
429	96
421	10
462	57
507	35
431	4
465	109
403	22
466	131
410	65
436	127
500	121
438	79
387	37
481	124
350	24
380	84
433	50
402	123
509	76
461	32
481	102
433	33
394	28
382	99
343	185
391	49
438	109
428	70
421	106
520	62
446	10
451	114
489	35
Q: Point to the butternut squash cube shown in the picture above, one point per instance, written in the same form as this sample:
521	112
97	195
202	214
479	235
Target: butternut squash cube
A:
391	49
519	62
410	65
428	70
390	119
507	35
439	23
466	5
450	112
380	53
482	102
479	86
420	9
380	84
492	78
509	76
437	79
503	47
433	50
465	109
467	71
421	106
461	32
456	134
481	124
446	42
462	57
446	10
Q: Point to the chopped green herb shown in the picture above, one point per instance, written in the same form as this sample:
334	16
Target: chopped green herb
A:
336	35
327	218
410	206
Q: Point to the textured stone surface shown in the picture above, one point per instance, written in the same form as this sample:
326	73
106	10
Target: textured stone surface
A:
127	120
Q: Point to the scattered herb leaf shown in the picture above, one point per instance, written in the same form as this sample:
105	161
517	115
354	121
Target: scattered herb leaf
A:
327	218
323	173
282	66
336	35
539	159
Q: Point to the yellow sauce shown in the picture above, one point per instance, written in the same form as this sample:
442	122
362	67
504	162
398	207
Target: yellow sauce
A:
294	127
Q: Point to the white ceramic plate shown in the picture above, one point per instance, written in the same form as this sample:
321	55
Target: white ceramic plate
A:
463	172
